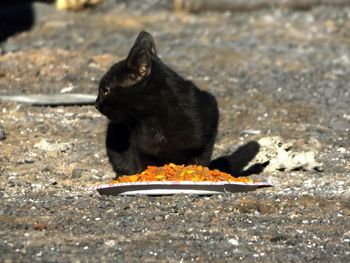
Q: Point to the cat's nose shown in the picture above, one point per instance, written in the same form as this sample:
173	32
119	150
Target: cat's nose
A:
98	103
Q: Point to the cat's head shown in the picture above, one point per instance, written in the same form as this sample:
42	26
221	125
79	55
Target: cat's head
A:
126	77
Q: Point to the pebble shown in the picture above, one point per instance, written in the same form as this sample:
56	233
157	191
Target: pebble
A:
2	133
159	218
77	173
52	181
250	132
233	241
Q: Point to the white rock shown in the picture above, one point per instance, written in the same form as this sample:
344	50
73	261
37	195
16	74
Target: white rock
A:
233	241
282	156
44	145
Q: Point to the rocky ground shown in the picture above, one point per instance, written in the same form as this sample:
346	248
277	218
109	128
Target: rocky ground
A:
276	72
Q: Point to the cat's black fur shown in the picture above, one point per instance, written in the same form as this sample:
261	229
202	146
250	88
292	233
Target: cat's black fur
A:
155	116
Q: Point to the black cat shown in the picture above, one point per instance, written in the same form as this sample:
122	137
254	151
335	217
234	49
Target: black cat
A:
157	117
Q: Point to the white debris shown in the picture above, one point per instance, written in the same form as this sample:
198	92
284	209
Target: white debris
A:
233	241
282	155
54	147
67	89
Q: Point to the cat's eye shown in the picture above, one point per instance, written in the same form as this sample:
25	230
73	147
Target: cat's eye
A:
106	90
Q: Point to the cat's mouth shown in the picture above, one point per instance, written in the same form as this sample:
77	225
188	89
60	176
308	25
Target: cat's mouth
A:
117	117
112	115
98	103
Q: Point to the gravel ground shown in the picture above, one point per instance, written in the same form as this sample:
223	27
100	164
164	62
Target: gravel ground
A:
281	72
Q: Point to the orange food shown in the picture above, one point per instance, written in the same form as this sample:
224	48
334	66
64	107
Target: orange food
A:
173	172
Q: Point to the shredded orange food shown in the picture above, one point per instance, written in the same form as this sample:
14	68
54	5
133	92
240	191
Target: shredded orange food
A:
173	172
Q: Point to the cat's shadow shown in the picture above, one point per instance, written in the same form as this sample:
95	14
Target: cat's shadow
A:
236	162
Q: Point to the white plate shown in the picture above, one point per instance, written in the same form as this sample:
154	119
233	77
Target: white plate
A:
177	187
52	99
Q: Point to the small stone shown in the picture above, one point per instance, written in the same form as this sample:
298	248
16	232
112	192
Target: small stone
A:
47	169
205	218
42	128
39	227
11	184
277	238
233	241
102	205
2	133
52	182
250	132
341	150
110	243
339	124
158	218
53	147
77	173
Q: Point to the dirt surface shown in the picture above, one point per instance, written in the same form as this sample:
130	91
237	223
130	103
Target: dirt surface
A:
276	72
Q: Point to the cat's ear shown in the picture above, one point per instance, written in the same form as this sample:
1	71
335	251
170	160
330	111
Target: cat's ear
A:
139	61
139	58
145	40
